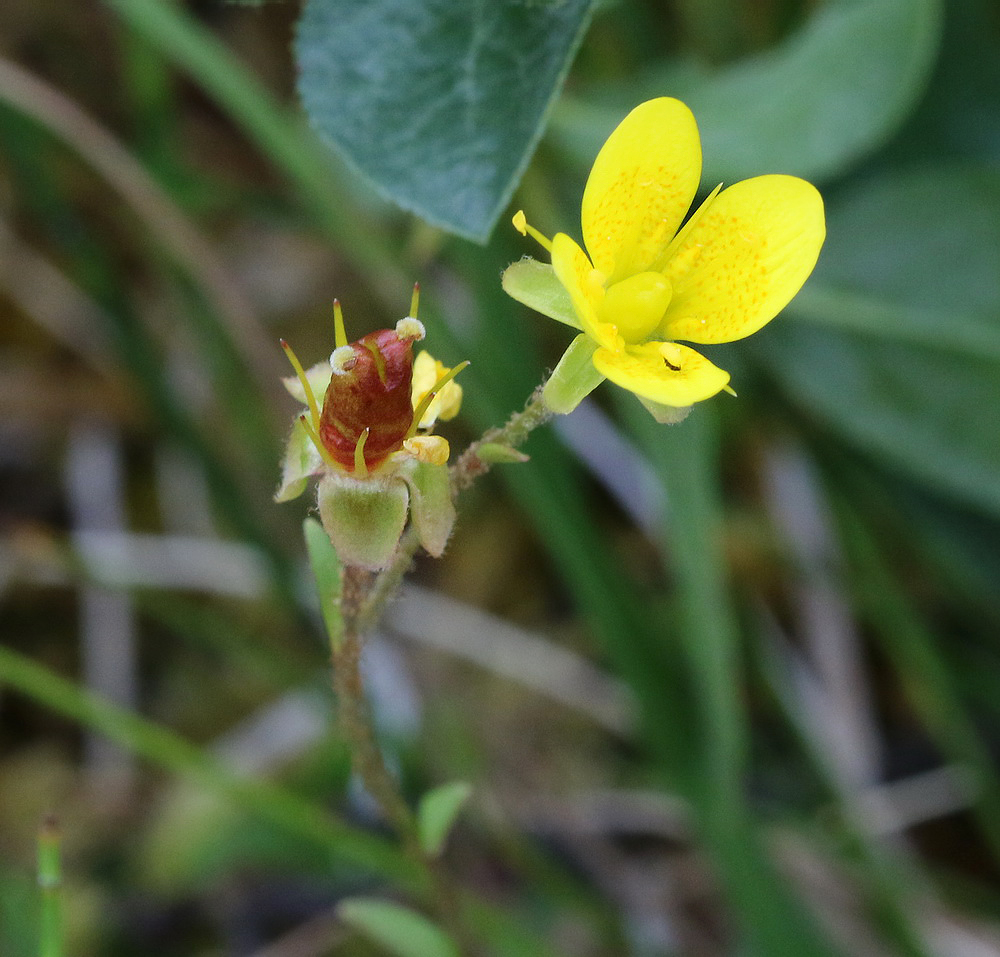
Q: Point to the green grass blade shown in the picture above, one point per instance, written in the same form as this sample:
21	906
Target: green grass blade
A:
162	746
49	883
911	646
686	456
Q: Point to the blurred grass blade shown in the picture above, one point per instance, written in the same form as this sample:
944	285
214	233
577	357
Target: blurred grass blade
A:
911	646
279	133
50	884
162	746
686	455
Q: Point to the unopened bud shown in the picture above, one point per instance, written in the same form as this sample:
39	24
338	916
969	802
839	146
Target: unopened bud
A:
370	391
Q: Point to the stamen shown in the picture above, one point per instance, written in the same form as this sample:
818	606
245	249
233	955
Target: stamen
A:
342	360
360	465
340	333
415	300
409	327
525	229
324	452
306	387
425	403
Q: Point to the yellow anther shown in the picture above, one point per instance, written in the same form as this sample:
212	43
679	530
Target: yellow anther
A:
522	225
432	449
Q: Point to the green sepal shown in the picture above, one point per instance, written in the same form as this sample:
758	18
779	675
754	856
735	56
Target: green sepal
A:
498	454
363	517
665	414
574	378
301	460
431	504
536	285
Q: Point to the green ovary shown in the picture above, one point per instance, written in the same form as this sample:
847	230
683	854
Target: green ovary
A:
636	305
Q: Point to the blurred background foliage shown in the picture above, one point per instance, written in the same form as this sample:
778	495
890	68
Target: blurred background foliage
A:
730	686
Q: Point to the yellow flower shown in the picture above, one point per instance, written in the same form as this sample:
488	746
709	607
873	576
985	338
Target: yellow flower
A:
732	267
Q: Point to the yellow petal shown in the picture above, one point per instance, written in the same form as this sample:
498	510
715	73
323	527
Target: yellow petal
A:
585	287
427	372
665	372
745	258
641	187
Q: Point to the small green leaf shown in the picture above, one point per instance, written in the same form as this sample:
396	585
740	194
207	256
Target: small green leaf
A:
437	813
431	504
401	931
440	104
498	454
535	284
326	567
363	519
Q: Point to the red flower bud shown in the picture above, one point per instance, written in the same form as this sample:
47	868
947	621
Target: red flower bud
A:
369	390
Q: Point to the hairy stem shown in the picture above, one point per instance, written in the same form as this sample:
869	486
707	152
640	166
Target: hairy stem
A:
363	600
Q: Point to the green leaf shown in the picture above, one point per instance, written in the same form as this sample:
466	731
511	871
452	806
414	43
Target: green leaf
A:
439	104
326	568
909	364
812	106
437	813
398	929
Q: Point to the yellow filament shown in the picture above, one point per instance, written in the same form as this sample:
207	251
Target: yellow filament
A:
415	300
426	401
340	333
373	348
324	452
306	387
360	466
522	225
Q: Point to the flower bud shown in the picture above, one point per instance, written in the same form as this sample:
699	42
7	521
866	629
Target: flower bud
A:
369	391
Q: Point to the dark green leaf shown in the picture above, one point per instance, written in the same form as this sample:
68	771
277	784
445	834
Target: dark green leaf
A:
912	271
812	106
439	103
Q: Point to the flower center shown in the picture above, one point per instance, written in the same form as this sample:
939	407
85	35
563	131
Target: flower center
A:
636	305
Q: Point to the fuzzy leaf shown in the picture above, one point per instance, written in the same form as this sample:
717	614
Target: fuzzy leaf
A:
440	104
